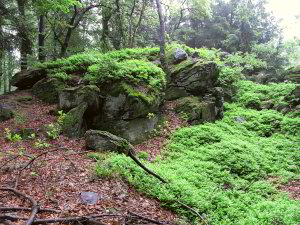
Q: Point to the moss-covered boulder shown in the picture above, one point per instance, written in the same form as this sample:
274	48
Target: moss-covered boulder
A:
74	124
48	89
192	77
73	96
196	110
27	78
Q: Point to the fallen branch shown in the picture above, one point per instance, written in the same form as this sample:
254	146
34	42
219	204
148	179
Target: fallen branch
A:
14	209
147	219
193	210
59	220
35	206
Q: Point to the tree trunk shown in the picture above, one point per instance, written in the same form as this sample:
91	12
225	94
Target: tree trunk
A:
41	55
105	32
24	40
162	38
138	24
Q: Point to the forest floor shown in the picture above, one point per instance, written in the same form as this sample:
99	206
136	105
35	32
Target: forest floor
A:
55	175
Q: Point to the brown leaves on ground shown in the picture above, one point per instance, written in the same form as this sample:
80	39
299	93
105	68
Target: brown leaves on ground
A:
56	179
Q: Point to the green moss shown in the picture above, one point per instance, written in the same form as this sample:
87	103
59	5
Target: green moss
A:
194	110
149	98
184	65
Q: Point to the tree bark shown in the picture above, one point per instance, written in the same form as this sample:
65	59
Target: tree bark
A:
138	24
162	38
25	43
41	41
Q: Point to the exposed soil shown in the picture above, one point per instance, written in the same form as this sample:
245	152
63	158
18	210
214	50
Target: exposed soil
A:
57	178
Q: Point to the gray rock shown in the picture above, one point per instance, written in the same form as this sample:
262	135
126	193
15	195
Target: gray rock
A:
72	97
179	55
105	142
48	89
74	123
240	119
89	198
195	77
6	112
267	104
26	79
195	110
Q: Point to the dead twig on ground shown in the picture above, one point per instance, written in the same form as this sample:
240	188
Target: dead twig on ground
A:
35	206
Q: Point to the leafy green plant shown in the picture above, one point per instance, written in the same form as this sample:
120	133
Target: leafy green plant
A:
41	144
143	155
12	137
61	116
150	115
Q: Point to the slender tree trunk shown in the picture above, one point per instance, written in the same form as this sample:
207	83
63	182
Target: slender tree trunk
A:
105	32
10	68
1	70
22	35
162	38
4	74
138	24
130	24
41	43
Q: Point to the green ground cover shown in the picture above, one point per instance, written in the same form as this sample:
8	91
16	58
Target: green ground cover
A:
229	170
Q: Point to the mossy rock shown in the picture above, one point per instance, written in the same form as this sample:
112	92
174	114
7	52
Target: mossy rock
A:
25	79
293	74
195	76
74	96
74	123
135	131
104	141
195	110
125	101
48	89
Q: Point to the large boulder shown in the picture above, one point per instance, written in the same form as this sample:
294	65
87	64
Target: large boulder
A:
105	142
72	97
192	77
125	111
74	124
6	112
48	89
27	78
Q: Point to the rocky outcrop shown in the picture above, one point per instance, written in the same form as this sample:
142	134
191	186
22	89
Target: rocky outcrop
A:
26	79
48	89
124	97
6	112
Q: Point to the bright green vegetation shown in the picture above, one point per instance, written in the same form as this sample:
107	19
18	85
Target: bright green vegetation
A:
81	62
250	92
227	170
